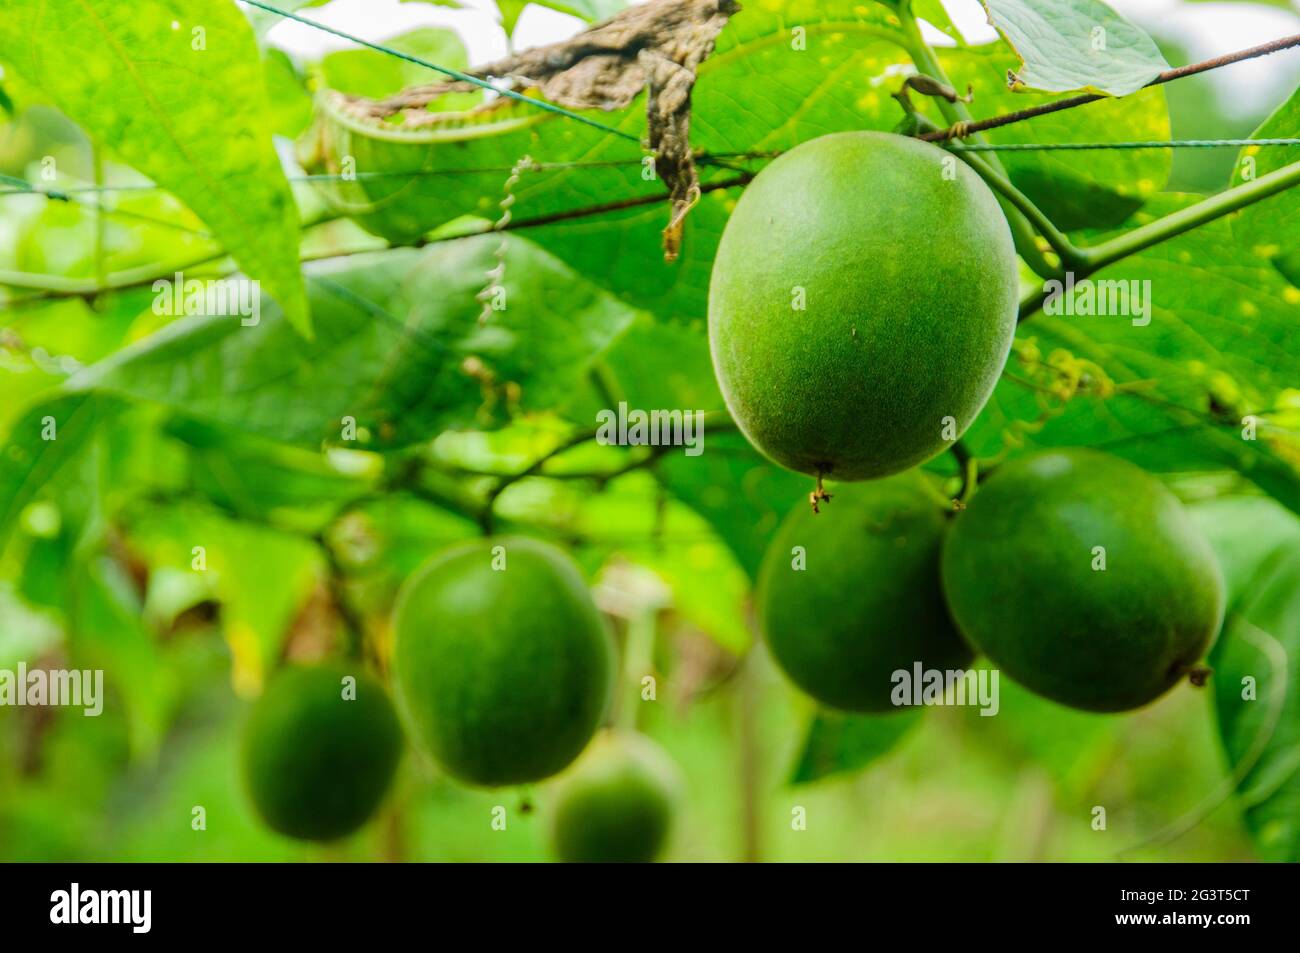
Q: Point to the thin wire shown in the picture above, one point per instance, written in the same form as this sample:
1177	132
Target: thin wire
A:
22	187
445	70
1168	144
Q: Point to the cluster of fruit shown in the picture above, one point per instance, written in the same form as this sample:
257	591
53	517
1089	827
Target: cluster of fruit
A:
504	671
862	307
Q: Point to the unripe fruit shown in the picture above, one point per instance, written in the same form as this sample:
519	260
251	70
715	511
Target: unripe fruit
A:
505	673
617	804
317	758
868	602
1083	578
908	272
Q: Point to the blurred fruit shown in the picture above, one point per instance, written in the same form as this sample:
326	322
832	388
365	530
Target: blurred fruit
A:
317	757
868	601
864	291
618	802
1084	579
506	672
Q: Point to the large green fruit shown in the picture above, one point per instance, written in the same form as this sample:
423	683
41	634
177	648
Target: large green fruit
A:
319	754
1084	579
504	672
618	802
867	602
910	281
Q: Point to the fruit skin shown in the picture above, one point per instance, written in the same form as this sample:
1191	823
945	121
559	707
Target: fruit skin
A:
315	764
617	804
912	286
869	601
504	675
1017	571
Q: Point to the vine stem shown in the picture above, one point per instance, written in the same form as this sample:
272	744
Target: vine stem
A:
955	112
638	657
1068	253
1096	257
959	130
716	421
1176	223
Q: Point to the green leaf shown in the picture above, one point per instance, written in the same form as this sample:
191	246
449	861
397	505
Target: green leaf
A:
1075	189
839	744
291	103
370	73
593	11
109	634
399	349
32	456
178	90
1172	394
1268	228
1069	45
1259	649
261	578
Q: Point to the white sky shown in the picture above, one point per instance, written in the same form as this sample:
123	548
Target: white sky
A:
1205	29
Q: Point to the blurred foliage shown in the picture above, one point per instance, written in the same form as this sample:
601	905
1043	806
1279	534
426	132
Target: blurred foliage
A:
187	441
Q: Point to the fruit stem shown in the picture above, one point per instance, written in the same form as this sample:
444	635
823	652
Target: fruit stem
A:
968	467
1071	256
818	495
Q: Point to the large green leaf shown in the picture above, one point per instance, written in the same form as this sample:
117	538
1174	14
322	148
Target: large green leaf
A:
1075	45
1257	665
399	348
177	89
1218	348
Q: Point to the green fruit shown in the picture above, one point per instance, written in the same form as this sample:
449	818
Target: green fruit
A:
911	287
868	602
318	755
1022	572
617	804
505	673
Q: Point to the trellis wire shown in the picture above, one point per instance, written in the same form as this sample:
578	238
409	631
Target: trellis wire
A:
22	187
1150	144
446	71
